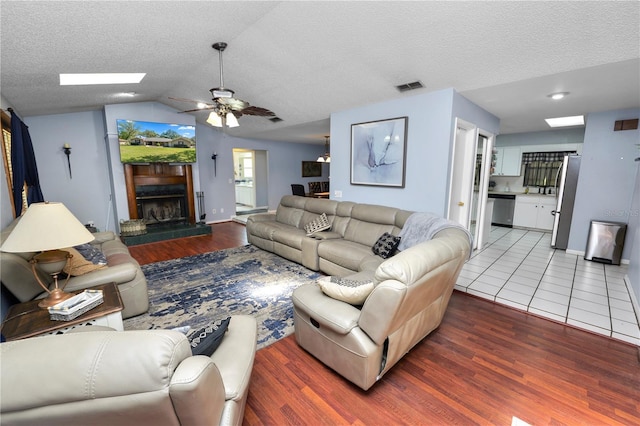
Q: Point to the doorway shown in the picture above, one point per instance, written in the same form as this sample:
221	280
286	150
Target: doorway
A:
250	169
469	180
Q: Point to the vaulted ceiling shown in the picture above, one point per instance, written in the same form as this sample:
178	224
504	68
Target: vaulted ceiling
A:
306	59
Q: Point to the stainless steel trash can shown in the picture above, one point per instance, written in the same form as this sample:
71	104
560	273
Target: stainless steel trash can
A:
605	242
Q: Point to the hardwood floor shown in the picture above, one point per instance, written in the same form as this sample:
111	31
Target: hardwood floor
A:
484	365
223	235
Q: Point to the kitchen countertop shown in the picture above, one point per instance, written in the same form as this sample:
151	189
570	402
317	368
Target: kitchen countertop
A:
520	193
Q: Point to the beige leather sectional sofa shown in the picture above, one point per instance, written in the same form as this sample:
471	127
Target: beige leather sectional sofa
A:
343	250
410	292
142	377
122	268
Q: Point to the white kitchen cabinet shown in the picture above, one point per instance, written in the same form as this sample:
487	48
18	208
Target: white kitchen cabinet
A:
245	195
508	161
534	211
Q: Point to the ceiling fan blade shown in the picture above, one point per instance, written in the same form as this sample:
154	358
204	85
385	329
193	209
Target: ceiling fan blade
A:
262	112
184	100
199	109
233	103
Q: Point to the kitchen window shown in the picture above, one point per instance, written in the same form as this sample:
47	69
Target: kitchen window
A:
541	168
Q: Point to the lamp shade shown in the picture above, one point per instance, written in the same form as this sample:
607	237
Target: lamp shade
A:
214	119
46	226
232	121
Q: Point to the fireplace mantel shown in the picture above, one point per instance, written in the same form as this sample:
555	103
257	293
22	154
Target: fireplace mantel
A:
158	174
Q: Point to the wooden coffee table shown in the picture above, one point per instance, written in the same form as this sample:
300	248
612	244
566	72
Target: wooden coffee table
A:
28	320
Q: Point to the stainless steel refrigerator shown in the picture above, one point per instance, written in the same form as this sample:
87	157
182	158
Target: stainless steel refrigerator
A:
566	185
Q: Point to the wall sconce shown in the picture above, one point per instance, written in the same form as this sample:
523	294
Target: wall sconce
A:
213	157
67	150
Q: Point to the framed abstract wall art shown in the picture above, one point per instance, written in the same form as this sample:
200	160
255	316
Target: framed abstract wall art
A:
311	169
378	152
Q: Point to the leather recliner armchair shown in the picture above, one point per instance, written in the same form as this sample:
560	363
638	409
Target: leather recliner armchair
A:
410	295
145	377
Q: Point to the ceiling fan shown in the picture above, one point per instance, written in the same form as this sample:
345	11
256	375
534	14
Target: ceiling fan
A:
225	108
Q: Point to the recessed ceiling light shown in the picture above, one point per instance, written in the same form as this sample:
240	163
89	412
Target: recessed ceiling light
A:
557	96
576	120
100	78
128	94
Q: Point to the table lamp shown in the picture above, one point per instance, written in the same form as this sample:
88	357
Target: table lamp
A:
46	228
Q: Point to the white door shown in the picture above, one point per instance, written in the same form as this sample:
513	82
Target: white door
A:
462	173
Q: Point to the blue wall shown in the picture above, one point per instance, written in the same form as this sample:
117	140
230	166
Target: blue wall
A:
548	137
429	138
97	190
607	178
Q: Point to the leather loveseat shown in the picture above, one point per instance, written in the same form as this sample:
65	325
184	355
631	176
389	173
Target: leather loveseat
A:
16	274
142	377
409	291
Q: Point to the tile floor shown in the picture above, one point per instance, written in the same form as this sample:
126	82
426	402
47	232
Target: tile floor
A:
519	268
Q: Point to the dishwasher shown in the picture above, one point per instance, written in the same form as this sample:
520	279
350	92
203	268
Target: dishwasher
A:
503	208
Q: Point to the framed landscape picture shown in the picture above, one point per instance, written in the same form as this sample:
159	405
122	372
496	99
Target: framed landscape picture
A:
311	169
378	152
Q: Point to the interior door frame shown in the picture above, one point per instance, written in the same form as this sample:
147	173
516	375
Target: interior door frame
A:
483	186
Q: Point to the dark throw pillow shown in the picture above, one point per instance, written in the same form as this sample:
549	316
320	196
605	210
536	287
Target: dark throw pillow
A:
206	340
92	254
386	245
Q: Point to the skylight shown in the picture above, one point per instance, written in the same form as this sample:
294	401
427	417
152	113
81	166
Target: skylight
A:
100	78
576	120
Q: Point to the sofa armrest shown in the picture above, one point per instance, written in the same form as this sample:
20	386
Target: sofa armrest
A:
101	237
261	217
197	391
235	355
333	314
118	274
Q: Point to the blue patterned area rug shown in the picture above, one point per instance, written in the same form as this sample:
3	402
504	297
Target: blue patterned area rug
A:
197	290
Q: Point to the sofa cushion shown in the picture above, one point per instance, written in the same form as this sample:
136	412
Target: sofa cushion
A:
346	254
206	340
386	245
347	290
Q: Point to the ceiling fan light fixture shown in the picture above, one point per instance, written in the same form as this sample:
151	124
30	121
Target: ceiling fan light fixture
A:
214	119
232	121
219	92
558	95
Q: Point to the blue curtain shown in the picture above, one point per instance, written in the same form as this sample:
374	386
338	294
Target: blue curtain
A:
23	162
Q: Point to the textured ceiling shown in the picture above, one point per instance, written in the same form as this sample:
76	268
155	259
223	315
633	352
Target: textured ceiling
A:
305	60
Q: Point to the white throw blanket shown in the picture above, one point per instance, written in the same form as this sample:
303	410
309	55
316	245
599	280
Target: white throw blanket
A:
421	227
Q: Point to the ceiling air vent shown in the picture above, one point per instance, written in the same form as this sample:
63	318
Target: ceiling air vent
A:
275	119
409	86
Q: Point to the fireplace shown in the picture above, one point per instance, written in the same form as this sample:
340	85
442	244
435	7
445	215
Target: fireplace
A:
162	204
160	193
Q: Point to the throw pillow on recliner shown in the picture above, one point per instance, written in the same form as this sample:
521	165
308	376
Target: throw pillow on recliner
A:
349	291
386	245
206	340
321	223
78	265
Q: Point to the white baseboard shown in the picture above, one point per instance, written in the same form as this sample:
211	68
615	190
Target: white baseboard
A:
581	254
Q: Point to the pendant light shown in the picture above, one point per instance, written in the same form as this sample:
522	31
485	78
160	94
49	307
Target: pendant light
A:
326	158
